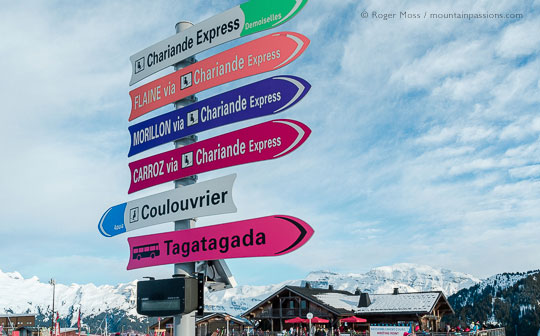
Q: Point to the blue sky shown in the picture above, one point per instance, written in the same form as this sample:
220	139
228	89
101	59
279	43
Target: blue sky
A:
425	142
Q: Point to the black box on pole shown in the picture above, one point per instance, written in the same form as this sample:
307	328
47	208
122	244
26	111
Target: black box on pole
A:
167	297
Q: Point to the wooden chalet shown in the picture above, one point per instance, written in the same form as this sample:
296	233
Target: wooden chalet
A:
204	325
424	308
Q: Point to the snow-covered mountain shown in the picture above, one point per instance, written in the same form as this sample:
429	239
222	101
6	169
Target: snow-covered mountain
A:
21	295
406	277
507	299
490	286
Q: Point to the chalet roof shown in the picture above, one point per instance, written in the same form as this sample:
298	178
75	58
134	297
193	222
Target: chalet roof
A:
314	293
210	316
311	295
344	303
420	302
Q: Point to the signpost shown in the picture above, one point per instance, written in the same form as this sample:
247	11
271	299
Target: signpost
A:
264	54
309	316
211	197
248	18
265	97
265	236
268	140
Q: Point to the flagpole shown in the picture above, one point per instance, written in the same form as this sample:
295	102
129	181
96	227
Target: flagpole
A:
53	283
79	321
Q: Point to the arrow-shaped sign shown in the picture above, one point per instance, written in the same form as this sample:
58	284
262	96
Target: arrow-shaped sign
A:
265	97
267	53
259	237
265	141
248	18
207	198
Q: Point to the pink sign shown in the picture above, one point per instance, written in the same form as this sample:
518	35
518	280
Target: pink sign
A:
264	54
259	237
268	140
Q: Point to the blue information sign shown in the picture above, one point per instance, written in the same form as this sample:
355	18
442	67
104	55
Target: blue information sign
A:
265	97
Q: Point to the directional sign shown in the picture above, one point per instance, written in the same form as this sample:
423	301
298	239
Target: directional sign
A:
259	237
207	198
248	18
267	53
265	97
265	141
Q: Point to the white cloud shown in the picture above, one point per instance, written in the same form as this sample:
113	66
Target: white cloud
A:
532	171
517	39
424	144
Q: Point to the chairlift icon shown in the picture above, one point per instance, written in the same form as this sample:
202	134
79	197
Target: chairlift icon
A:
193	118
185	81
139	65
187	159
134	215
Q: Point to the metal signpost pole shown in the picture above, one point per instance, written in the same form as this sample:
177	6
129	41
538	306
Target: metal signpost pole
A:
184	325
53	283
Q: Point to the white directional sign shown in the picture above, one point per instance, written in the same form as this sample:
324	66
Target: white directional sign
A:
248	18
207	198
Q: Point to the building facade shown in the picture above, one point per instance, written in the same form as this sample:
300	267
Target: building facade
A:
423	308
17	320
205	325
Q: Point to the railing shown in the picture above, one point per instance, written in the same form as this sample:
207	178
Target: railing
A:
489	332
291	312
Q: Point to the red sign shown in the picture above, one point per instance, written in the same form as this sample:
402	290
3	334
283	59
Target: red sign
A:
264	54
259	237
269	140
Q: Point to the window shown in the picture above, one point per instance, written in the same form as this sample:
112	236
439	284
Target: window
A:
291	304
303	304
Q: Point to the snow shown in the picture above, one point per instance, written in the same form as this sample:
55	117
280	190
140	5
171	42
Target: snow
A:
409	302
21	295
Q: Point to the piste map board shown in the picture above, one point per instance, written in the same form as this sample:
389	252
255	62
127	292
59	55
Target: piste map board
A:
248	18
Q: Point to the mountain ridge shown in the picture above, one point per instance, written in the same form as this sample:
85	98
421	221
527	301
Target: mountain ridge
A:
95	300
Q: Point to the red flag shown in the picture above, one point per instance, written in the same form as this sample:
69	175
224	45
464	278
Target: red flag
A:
57	316
79	321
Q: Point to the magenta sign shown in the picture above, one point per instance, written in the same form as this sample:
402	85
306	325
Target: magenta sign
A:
259	237
265	141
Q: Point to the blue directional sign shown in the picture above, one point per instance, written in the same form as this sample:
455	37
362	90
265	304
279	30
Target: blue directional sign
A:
212	197
265	97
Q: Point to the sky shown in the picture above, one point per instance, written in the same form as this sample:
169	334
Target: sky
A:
425	144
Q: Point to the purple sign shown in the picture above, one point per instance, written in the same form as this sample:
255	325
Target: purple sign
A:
265	97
